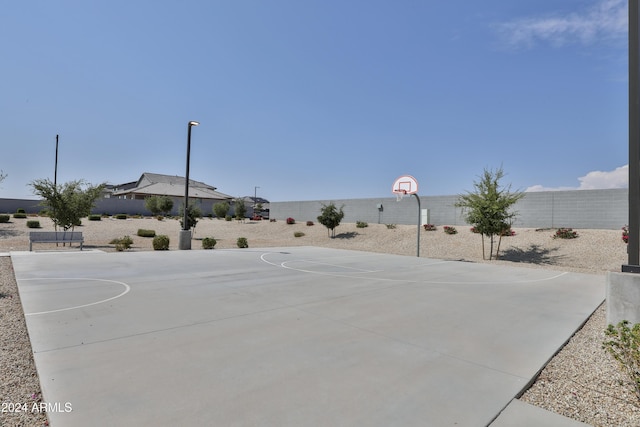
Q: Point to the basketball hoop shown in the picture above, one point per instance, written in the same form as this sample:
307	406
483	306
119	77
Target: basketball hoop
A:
406	184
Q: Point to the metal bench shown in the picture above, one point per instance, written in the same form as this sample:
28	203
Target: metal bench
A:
55	237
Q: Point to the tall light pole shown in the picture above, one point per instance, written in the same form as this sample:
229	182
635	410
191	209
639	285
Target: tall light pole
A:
633	245
185	234
55	172
255	196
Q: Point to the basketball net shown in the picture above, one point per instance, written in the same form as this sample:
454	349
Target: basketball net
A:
400	194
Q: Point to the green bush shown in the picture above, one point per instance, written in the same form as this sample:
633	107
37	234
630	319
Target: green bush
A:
20	210
450	230
146	233
361	224
390	226
228	218
122	243
121	216
161	243
4	218
208	243
19	215
565	233
32	223
624	346
95	217
298	234
242	242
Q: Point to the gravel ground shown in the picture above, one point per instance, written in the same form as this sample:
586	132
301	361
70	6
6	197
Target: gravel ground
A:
582	381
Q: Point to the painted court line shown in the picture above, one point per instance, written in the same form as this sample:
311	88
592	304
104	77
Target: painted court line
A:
433	282
127	288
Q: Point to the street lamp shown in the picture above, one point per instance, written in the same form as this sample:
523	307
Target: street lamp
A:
185	234
255	194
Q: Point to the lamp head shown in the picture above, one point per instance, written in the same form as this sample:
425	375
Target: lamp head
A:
193	123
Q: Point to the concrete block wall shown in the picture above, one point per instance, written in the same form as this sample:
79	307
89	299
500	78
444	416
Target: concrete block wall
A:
112	206
595	209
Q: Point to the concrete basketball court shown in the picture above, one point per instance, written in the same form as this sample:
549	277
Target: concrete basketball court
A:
299	336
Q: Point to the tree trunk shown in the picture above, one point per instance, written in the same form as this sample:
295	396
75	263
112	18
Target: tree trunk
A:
498	250
482	234
491	248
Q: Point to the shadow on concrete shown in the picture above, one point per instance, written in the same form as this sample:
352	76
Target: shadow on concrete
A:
534	254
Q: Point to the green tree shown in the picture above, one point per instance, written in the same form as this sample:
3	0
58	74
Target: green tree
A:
239	208
221	209
67	203
193	214
330	217
159	204
488	208
165	204
151	203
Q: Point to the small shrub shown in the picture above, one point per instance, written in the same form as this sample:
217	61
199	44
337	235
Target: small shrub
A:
625	233
390	226
291	220
272	220
20	210
4	218
208	243
95	217
361	224
146	233
429	227
565	233
161	243
508	233
228	218
32	223
121	216
19	215
298	234
624	346
159	217
474	230
450	230
309	223
242	242
122	243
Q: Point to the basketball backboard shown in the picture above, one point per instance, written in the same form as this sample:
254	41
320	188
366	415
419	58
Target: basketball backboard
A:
406	184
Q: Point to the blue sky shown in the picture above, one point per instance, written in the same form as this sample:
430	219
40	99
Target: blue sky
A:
316	100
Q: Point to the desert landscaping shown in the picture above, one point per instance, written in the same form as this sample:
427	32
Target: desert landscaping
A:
582	382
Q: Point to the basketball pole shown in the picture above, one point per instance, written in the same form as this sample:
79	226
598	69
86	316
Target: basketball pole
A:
403	185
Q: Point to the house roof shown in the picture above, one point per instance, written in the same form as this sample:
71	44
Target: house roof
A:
154	184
